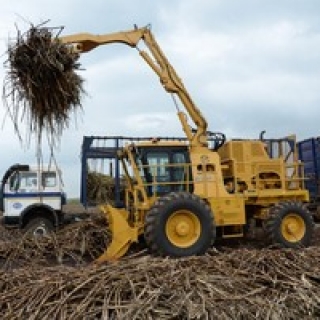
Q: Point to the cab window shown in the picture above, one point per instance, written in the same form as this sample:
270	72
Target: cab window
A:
158	162
49	179
166	170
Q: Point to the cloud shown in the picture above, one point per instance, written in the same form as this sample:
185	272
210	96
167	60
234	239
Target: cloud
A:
153	123
248	65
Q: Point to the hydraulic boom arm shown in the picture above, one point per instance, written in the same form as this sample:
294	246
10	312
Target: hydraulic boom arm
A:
155	58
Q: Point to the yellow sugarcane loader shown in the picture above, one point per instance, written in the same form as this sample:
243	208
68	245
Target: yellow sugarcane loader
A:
182	195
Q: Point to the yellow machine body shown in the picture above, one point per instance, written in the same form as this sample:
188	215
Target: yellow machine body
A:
258	182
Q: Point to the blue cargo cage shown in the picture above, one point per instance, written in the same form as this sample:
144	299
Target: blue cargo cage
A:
309	154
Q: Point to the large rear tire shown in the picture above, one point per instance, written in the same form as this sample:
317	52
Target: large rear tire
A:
290	225
179	224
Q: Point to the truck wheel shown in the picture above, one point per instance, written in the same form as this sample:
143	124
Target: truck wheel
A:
290	225
39	227
179	224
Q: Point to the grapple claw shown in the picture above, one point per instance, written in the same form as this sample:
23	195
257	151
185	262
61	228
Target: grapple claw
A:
123	235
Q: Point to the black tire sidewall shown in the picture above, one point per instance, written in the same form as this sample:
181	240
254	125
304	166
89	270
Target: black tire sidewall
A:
286	210
33	224
200	210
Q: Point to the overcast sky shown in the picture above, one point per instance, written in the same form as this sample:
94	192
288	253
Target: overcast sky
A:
249	65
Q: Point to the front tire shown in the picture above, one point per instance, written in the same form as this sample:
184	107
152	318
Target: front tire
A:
290	225
179	224
39	227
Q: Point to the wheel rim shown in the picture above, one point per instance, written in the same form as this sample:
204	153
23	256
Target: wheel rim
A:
293	227
40	231
183	228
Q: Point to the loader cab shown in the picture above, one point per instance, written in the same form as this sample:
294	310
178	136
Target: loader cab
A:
164	168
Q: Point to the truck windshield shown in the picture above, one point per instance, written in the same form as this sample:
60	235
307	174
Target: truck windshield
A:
23	180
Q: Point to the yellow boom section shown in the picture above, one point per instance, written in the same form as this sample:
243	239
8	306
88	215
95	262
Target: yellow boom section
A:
155	58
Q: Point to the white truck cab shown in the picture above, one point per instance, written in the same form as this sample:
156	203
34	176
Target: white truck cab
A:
32	197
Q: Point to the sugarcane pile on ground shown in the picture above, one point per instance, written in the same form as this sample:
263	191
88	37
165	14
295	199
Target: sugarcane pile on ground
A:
42	85
74	244
101	188
54	280
235	284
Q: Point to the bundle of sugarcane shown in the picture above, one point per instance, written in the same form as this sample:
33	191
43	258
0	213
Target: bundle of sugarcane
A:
101	188
41	85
